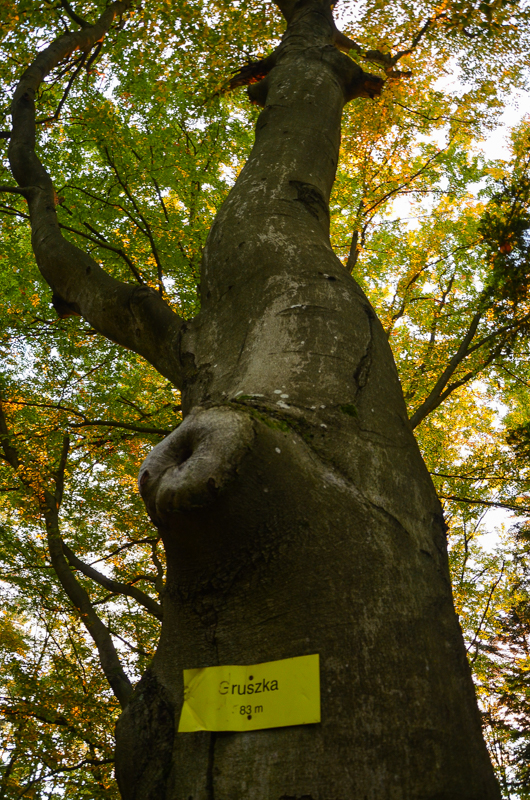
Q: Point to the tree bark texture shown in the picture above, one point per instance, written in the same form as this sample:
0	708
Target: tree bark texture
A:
296	511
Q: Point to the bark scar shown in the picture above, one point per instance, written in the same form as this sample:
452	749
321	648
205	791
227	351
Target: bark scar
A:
209	770
311	197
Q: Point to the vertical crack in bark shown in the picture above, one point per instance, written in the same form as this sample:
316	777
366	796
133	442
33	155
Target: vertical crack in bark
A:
360	375
210	791
209	618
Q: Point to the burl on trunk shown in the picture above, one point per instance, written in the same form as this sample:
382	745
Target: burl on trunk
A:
296	511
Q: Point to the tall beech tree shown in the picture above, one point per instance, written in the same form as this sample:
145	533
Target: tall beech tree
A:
296	512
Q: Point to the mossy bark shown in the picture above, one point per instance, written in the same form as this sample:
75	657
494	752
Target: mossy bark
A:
296	511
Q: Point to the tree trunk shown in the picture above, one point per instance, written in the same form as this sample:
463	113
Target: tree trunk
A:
296	511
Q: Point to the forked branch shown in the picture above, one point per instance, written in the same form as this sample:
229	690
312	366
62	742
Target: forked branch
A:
73	16
126	589
108	657
342	42
50	501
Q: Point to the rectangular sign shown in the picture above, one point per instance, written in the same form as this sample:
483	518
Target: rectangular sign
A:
246	698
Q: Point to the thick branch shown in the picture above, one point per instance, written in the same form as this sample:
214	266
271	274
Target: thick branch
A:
367	85
113	586
133	316
254	71
433	400
59	477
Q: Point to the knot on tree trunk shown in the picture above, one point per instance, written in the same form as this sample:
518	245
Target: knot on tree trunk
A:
192	465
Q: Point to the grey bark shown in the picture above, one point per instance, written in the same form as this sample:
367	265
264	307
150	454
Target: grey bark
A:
296	511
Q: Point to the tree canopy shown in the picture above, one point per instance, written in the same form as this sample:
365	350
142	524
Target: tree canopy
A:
143	133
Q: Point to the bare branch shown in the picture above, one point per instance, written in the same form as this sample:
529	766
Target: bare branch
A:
353	254
159	583
85	762
86	422
111	423
66	92
476	501
484	614
73	16
409	180
103	243
127	546
113	586
433	400
110	663
146	230
59	477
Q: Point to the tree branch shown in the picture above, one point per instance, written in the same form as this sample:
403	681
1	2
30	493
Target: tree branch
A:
52	772
59	476
73	16
110	423
286	7
409	180
133	316
484	615
66	92
147	228
103	243
385	60
10	454
433	400
475	501
110	663
108	657
113	586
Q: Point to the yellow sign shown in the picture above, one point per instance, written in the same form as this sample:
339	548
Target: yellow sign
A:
237	698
